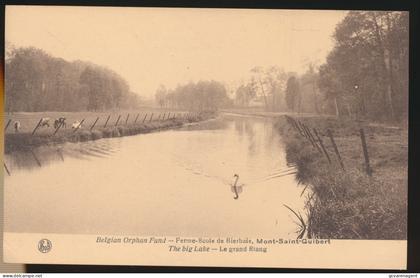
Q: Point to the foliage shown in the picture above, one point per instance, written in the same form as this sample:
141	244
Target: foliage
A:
293	93
265	86
36	81
160	96
201	96
366	74
244	94
350	204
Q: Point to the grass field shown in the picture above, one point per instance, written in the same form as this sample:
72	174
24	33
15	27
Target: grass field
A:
350	204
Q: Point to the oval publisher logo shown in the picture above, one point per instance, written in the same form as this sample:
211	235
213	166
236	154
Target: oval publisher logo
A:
44	245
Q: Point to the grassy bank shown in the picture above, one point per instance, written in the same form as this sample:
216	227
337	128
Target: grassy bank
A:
349	204
25	140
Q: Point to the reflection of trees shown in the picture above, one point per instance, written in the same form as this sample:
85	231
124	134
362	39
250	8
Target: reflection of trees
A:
253	130
251	135
46	155
30	159
209	125
271	137
239	127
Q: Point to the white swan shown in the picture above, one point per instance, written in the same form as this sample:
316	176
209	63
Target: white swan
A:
236	189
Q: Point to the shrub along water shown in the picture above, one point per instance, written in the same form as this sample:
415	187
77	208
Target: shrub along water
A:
349	204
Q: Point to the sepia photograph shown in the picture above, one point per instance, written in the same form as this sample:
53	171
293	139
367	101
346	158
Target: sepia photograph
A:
218	132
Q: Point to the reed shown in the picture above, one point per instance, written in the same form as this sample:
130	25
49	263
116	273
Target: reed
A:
301	224
350	204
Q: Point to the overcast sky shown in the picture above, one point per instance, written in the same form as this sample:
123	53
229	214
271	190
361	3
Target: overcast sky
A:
152	46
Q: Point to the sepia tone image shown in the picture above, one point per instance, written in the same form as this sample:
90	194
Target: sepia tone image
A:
287	124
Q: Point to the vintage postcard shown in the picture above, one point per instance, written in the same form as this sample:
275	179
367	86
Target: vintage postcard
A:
206	137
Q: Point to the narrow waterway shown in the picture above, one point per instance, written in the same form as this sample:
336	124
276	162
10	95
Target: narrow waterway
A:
175	182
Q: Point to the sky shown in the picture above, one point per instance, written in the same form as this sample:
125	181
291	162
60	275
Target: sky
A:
170	46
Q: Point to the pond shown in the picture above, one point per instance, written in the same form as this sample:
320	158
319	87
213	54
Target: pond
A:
173	182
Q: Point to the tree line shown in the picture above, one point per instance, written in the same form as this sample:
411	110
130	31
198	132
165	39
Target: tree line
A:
202	96
274	89
365	75
36	81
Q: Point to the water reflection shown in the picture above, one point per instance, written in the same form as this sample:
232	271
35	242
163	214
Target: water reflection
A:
47	155
176	182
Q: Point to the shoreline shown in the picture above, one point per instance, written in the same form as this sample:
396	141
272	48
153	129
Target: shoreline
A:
346	202
26	141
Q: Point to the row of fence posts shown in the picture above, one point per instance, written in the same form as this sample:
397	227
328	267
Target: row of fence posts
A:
168	116
188	116
315	138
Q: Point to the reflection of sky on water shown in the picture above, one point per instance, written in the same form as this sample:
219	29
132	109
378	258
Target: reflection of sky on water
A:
176	182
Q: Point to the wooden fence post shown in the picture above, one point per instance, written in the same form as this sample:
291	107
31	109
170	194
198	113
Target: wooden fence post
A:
151	117
335	148
145	116
94	123
135	121
163	118
128	116
158	118
299	129
109	116
365	152
116	123
305	129
312	138
293	124
33	132
7	125
322	145
5	167
80	124
308	132
58	127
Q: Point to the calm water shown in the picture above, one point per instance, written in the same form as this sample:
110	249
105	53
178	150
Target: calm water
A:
175	182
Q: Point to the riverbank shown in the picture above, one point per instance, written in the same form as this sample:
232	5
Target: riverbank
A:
27	140
264	114
348	203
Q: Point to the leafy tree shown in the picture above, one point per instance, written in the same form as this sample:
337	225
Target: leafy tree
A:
292	95
160	96
36	81
368	67
309	88
244	94
201	96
